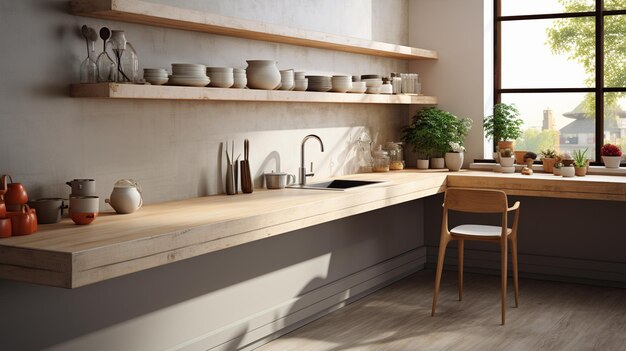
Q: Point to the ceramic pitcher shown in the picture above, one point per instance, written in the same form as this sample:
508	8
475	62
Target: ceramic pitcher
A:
126	196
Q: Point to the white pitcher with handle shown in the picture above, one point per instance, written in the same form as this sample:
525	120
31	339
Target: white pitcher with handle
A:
126	196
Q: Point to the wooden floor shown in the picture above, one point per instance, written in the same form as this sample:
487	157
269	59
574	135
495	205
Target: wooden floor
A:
551	316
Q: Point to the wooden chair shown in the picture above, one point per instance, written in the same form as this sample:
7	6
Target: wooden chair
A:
479	201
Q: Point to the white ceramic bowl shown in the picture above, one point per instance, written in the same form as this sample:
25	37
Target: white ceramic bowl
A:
193	82
358	87
341	87
373	90
301	84
156	80
287	85
373	83
221	81
299	75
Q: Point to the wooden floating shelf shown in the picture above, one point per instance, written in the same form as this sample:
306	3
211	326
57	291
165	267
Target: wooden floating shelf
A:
164	92
141	12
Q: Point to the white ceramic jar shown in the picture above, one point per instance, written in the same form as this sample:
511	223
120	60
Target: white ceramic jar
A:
262	74
126	196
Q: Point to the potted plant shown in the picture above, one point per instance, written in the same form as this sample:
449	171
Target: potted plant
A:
548	159
454	158
611	155
580	162
431	132
558	163
506	157
567	170
504	125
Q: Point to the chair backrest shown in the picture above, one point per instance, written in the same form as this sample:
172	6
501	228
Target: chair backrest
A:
476	200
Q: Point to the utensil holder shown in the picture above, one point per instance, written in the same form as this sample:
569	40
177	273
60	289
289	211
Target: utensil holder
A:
230	180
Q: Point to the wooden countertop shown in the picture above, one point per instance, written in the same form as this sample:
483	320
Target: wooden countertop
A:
67	255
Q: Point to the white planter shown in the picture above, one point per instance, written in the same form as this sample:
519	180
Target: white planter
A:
568	171
437	163
611	161
507	161
454	161
422	164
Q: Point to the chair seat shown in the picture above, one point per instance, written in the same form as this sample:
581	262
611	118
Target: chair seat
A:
477	230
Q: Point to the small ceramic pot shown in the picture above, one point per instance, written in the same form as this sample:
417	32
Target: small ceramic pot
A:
84	209
126	197
15	196
21	221
422	164
49	210
507	161
82	187
548	164
263	74
5	227
580	171
454	161
437	163
567	171
611	161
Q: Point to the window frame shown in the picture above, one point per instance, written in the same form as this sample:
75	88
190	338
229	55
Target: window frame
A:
599	14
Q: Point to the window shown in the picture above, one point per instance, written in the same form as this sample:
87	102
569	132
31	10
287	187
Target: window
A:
563	64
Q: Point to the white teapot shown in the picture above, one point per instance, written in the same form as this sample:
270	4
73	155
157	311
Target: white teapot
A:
126	196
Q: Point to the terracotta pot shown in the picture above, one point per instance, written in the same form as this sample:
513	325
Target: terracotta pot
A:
556	171
548	164
505	144
519	157
580	171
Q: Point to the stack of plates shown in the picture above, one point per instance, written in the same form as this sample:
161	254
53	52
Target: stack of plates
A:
358	87
319	83
341	84
155	76
189	74
221	77
373	85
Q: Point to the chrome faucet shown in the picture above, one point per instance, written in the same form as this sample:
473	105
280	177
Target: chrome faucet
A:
302	170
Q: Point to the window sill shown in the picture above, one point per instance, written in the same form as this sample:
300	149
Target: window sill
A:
599	170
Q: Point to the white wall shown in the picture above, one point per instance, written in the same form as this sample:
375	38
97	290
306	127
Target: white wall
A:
226	299
462	76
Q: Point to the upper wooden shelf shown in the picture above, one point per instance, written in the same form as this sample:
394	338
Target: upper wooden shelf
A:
136	11
136	91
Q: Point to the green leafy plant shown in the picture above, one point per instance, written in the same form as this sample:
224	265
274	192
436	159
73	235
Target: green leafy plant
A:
548	153
432	130
504	123
580	158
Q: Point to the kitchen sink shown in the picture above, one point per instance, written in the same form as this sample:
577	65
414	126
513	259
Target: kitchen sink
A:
337	184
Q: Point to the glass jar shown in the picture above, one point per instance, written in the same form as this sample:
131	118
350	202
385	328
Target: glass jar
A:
396	157
364	155
381	160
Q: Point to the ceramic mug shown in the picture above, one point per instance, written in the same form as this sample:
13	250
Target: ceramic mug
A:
82	187
84	209
5	227
49	210
21	221
15	195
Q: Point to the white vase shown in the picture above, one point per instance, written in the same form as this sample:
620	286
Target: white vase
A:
507	161
454	161
437	163
611	161
568	171
262	74
422	164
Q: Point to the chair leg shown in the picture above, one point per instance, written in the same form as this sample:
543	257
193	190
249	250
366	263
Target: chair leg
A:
442	252
515	276
461	250
503	263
